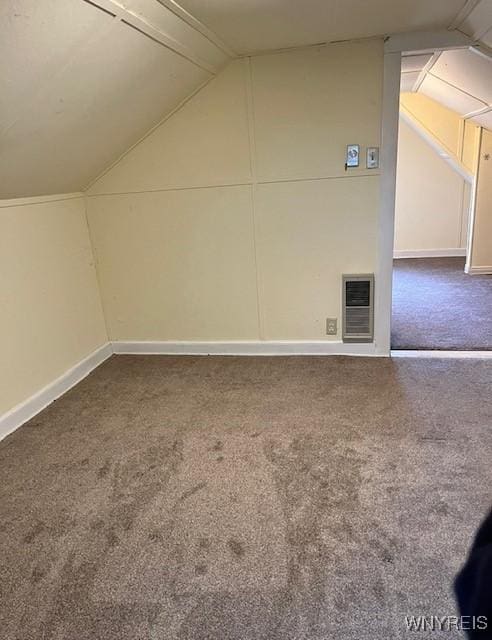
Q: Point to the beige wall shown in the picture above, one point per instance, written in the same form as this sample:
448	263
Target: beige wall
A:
235	218
458	137
51	315
481	253
432	200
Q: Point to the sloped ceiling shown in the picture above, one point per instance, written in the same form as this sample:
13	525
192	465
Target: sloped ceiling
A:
84	80
460	79
81	83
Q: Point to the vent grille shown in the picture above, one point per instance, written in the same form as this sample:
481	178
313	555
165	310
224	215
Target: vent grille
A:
358	316
358	293
358	321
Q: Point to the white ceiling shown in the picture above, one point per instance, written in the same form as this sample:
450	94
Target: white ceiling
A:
80	85
460	80
257	25
84	80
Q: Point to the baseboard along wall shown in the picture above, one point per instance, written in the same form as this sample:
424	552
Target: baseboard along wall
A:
26	410
246	348
429	253
479	271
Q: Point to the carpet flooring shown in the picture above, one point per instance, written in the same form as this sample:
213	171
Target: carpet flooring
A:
227	498
438	306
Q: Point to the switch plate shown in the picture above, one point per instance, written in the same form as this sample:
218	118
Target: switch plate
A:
331	326
352	157
372	158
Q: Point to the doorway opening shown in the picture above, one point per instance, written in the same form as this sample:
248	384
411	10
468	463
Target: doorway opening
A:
442	267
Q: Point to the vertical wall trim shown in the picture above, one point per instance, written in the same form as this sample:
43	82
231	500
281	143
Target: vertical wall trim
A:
473	204
389	150
254	187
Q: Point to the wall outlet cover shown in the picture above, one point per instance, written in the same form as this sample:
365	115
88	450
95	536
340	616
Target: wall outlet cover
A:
331	326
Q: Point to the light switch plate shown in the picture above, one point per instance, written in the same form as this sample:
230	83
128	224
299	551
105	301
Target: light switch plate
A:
331	326
372	158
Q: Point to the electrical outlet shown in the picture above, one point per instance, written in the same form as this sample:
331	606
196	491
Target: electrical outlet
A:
331	326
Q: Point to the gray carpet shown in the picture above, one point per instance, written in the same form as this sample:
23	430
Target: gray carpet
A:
244	498
438	306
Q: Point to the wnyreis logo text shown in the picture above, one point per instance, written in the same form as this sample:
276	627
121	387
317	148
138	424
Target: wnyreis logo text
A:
445	623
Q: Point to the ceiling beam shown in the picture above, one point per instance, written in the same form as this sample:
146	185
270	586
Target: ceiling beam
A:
478	112
187	17
426	70
426	41
463	14
130	19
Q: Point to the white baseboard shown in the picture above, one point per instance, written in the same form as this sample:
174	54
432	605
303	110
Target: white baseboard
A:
430	253
23	412
401	353
478	271
246	348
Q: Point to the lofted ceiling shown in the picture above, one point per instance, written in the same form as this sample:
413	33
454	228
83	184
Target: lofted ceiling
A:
81	83
460	79
83	80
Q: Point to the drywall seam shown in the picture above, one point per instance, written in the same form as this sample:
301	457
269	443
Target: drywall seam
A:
254	185
22	202
226	185
26	410
96	268
305	47
148	133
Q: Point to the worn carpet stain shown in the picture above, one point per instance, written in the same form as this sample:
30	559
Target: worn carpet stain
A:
226	498
438	306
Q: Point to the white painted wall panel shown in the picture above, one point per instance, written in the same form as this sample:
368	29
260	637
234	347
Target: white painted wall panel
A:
429	198
309	233
178	262
481	256
177	265
307	108
51	310
205	143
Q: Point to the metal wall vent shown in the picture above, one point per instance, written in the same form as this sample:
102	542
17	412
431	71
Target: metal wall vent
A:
358	308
